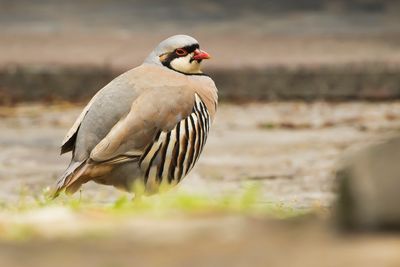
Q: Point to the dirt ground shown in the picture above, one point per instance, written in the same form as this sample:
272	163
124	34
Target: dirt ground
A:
241	34
205	242
124	49
289	148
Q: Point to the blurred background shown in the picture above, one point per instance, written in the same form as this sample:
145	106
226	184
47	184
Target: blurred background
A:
301	83
306	49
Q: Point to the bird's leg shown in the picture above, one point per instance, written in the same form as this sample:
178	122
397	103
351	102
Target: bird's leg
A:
137	197
80	195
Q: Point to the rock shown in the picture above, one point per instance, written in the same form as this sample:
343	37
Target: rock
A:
369	188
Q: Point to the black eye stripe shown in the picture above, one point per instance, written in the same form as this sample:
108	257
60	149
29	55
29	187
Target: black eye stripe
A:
171	56
191	48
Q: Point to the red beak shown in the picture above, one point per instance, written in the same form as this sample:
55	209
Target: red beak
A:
199	55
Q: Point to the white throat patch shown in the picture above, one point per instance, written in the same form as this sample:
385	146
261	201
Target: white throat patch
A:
183	64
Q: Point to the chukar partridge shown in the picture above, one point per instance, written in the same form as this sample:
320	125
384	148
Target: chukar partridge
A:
150	123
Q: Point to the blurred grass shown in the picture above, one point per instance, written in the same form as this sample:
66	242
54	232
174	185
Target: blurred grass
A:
247	200
27	219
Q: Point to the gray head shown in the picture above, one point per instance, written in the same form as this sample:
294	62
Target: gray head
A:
180	53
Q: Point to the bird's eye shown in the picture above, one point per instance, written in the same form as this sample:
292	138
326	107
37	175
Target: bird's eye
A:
181	52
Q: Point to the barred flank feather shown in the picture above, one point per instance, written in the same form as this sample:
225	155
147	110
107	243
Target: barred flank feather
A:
173	154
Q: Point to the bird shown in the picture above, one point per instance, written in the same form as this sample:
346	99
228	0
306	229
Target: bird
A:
149	124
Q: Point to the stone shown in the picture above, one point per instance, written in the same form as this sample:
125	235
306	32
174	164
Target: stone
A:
369	188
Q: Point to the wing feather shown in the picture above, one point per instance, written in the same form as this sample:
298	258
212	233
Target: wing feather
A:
70	138
155	110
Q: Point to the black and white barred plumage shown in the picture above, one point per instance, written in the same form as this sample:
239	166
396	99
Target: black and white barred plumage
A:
173	154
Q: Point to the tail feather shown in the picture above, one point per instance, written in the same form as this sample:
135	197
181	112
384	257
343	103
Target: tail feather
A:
81	172
70	175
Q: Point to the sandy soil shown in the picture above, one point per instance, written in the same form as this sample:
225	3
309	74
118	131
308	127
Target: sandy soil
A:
124	49
250	33
291	149
204	242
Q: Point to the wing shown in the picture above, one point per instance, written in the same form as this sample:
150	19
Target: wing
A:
154	110
70	138
102	112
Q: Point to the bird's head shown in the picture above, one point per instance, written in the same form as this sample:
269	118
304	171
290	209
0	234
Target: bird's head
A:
180	53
